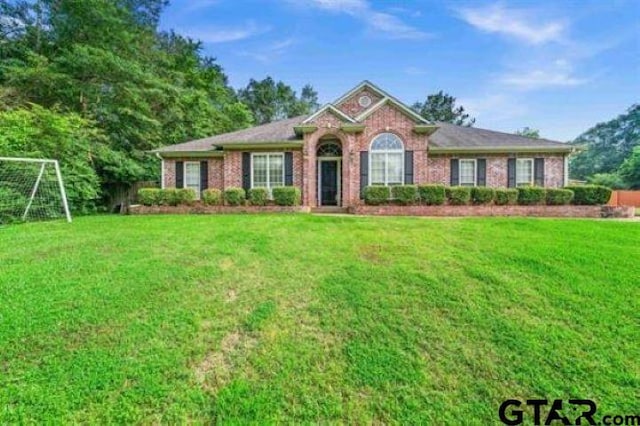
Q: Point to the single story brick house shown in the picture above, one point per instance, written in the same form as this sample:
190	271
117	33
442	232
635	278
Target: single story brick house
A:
366	137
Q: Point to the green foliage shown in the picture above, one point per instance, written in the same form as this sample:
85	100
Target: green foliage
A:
558	197
258	196
610	180
36	132
531	195
442	107
404	194
287	196
630	169
528	132
185	196
604	147
234	196
260	315
269	100
11	204
458	195
590	195
134	88
212	197
506	196
431	195
482	195
150	196
375	195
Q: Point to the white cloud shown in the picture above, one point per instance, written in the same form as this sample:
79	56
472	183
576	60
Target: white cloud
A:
225	35
517	23
557	74
195	5
378	22
495	107
414	71
270	52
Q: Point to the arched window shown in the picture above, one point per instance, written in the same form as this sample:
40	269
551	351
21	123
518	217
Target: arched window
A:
329	149
387	160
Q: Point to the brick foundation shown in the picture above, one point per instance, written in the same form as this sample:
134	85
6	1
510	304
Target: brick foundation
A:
202	209
490	210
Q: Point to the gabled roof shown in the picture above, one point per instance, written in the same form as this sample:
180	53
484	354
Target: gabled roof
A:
277	131
448	138
332	109
452	138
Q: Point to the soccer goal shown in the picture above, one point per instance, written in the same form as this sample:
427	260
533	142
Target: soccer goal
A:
30	190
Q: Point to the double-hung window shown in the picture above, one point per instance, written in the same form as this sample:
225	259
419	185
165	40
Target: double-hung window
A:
267	170
524	171
387	160
192	176
467	171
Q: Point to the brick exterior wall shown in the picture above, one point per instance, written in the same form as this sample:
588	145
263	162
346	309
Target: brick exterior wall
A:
439	168
352	108
428	168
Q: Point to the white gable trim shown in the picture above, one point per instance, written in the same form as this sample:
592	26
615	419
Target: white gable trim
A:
372	87
331	108
389	100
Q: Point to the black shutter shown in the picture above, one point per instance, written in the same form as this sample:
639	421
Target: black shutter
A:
204	175
455	172
482	172
288	169
364	171
538	171
511	172
408	167
179	174
246	170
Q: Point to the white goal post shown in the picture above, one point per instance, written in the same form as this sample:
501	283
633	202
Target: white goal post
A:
32	188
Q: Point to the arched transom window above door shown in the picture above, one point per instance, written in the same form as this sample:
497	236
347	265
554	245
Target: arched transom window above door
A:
330	148
387	160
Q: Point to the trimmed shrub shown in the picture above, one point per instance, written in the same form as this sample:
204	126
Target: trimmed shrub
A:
258	196
590	195
431	195
506	196
375	195
234	196
212	197
531	195
458	195
169	197
150	196
482	195
185	196
559	197
404	194
286	196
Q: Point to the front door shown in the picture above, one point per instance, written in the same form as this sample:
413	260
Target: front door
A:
329	182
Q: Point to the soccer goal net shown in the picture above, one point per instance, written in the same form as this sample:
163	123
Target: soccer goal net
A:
30	190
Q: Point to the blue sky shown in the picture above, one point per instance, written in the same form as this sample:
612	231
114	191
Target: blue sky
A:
558	66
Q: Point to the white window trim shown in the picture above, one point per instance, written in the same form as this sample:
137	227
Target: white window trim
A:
268	154
386	152
197	163
475	170
533	172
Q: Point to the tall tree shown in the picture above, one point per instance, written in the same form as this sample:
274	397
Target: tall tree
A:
269	100
442	107
604	147
529	132
630	169
106	62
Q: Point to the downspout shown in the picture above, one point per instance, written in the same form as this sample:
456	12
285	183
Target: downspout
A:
161	170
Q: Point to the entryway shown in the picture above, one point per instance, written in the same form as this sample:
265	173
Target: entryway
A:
329	156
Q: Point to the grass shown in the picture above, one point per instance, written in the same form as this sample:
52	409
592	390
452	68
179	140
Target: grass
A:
314	319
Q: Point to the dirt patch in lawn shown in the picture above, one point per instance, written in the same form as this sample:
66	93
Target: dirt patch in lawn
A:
371	253
215	369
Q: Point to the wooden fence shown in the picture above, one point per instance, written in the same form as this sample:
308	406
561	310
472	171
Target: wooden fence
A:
625	198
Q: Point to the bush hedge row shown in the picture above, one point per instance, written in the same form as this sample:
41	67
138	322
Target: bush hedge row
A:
282	196
434	195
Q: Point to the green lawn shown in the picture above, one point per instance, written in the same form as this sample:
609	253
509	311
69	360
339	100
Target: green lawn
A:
305	318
